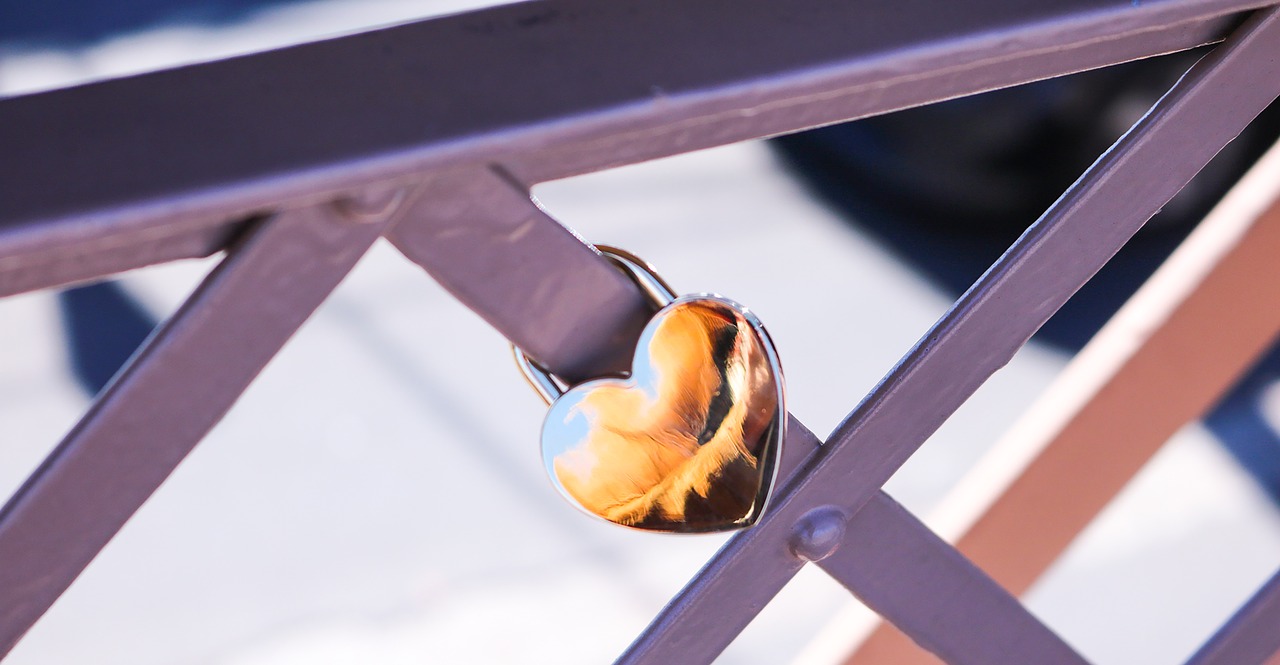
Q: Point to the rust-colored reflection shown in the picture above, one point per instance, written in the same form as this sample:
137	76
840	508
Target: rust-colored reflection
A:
690	441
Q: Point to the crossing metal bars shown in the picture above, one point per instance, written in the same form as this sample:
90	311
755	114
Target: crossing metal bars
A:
294	161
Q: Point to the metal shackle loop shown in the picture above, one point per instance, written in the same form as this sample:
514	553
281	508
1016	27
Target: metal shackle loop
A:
548	385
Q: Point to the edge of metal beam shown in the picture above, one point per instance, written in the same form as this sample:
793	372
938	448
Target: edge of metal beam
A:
984	329
546	89
169	395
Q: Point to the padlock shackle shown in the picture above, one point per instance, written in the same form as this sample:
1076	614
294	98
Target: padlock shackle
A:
548	385
660	293
543	381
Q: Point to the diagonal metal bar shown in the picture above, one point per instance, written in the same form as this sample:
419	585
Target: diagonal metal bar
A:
898	567
478	233
548	88
1250	636
1078	234
751	570
168	397
451	232
906	573
1172	351
719	104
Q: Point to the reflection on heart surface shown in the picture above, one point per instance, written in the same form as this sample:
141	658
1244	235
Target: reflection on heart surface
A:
690	441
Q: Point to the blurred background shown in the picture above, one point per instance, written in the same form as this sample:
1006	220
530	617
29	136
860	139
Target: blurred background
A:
377	495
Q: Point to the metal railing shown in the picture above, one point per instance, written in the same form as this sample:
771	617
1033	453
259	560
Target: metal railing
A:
430	134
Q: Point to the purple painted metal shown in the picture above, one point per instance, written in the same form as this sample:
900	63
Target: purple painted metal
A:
480	235
172	392
1251	636
913	578
547	89
462	226
582	86
982	331
891	560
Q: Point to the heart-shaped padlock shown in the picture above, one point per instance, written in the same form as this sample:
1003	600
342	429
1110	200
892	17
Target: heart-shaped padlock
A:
689	441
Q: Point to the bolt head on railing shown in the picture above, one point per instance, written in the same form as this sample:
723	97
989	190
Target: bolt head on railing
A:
818	533
372	204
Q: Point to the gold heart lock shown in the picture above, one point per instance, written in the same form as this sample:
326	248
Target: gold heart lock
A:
689	441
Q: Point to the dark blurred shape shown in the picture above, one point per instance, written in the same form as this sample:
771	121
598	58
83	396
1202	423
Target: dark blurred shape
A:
948	187
103	325
1238	422
68	22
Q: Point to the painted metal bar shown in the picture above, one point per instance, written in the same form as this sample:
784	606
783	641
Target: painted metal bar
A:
114	175
981	332
1167	357
1251	636
907	574
109	211
481	236
689	637
451	231
889	559
170	394
474	221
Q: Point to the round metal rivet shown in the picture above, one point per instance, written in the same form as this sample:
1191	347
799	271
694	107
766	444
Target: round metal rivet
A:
371	205
818	533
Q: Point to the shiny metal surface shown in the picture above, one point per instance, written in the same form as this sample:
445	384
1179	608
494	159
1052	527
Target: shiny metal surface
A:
642	273
689	442
579	86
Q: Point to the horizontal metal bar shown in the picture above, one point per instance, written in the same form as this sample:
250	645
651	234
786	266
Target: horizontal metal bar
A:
547	89
67	262
170	394
1250	636
898	567
988	325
